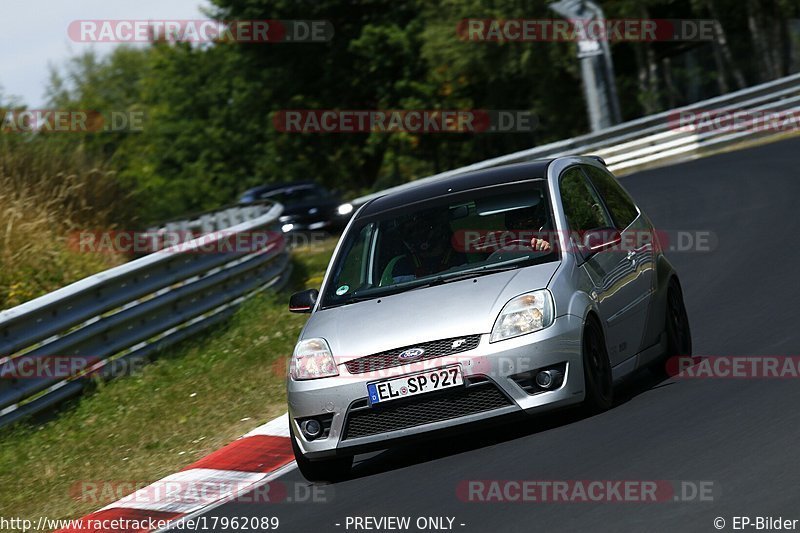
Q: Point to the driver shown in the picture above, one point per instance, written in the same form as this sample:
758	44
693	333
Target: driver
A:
532	219
427	241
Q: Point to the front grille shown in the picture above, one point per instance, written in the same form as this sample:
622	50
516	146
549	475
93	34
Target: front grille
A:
433	349
435	407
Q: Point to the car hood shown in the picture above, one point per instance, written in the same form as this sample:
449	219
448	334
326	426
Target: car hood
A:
453	309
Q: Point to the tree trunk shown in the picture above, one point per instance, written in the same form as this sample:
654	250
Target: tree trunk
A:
778	35
755	15
721	47
722	82
673	95
647	73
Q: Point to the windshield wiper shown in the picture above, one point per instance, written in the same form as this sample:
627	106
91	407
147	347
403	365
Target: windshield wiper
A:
447	277
374	294
491	268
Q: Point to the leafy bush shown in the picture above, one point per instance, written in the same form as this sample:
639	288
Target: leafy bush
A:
48	189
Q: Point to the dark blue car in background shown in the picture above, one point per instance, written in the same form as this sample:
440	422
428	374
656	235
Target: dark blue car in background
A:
308	206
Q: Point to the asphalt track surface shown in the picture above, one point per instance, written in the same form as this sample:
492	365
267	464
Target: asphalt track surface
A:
742	298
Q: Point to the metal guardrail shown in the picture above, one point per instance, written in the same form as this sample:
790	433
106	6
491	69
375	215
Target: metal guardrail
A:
652	138
110	320
185	229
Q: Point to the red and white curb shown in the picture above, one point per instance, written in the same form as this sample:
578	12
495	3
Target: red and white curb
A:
253	460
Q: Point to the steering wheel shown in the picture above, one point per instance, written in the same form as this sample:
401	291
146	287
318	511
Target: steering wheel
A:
511	249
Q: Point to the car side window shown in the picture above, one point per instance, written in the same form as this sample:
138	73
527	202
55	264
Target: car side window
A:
582	206
622	208
353	269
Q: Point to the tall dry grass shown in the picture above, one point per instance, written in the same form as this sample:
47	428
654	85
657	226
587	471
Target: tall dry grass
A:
49	188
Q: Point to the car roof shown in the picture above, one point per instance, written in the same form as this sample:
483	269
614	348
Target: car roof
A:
461	182
275	187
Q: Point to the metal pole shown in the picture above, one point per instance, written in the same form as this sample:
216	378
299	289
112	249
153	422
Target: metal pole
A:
597	69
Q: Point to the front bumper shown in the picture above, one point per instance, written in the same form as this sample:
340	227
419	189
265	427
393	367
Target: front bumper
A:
306	225
488	365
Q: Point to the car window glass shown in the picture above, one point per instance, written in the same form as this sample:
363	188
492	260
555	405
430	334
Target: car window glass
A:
622	208
353	271
582	206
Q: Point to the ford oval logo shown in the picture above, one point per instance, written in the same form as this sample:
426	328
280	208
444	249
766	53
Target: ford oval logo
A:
413	353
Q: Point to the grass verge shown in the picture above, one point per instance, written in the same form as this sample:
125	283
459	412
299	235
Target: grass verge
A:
194	399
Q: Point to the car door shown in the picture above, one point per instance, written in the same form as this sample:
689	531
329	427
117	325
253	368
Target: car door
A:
607	267
637	251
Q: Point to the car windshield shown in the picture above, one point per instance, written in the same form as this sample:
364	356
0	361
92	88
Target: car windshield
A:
473	233
297	195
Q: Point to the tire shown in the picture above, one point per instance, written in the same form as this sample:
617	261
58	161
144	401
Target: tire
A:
676	328
679	334
598	381
329	470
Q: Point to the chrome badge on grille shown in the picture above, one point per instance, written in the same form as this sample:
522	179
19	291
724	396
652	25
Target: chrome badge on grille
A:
458	343
411	354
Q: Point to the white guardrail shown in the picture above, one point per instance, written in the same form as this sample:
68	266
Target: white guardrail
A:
53	346
662	136
180	231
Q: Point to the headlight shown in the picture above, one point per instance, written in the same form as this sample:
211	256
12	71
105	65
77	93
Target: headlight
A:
524	314
313	359
345	209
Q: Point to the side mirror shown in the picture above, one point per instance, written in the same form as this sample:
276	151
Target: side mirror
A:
303	301
597	240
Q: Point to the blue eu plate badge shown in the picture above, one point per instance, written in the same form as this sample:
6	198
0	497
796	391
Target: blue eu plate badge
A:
373	393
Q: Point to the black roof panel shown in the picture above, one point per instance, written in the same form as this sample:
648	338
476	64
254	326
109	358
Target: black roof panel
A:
461	182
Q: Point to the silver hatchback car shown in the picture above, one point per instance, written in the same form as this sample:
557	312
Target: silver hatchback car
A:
514	290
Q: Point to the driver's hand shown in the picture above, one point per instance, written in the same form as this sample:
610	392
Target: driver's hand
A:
540	245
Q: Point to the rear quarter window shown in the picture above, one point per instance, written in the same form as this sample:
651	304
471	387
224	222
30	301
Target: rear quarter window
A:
581	204
618	202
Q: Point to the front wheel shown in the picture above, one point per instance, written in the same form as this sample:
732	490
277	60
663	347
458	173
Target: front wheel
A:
598	381
331	470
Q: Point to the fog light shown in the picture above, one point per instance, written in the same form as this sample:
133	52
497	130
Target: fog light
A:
547	379
311	428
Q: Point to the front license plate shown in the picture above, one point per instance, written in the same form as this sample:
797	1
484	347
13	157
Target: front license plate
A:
403	387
